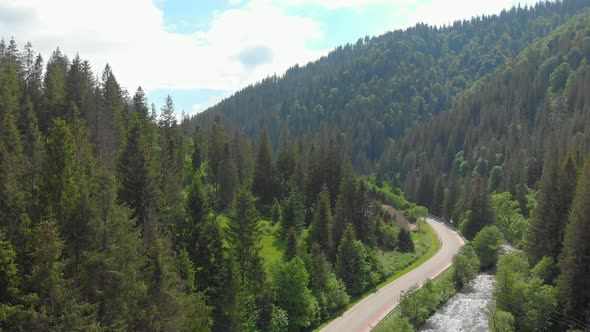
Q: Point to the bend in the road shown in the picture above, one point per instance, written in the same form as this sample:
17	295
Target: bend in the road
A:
371	310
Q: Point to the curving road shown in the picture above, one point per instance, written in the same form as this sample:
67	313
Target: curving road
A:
372	309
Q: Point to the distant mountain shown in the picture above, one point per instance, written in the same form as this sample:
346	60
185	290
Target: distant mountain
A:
374	90
532	111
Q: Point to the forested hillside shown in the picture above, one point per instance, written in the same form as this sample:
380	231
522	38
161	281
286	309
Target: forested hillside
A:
521	129
114	216
507	127
375	89
249	217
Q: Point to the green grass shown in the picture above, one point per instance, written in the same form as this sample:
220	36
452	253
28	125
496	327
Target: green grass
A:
272	250
425	241
273	246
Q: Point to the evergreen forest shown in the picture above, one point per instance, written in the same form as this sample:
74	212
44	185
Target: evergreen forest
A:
284	204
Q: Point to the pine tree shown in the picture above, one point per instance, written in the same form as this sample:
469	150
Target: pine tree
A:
481	212
566	187
327	289
9	275
451	197
113	263
54	89
264	182
171	172
291	251
293	212
573	282
244	235
215	148
136	175
167	297
228	179
333	168
57	302
286	161
439	196
541	238
350	262
140	105
110	123
404	241
321	226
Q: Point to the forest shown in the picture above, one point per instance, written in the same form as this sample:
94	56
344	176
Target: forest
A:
507	151
118	216
272	211
372	91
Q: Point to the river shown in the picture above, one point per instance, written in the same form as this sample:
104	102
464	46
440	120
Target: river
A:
468	310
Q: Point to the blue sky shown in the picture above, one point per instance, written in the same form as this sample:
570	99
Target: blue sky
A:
200	51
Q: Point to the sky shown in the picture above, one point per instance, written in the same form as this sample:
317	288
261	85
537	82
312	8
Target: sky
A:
201	51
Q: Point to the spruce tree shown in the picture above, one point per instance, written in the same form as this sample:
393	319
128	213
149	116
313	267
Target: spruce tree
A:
244	235
264	182
481	211
573	281
228	179
351	266
404	241
541	237
135	173
291	250
321	226
113	263
293	212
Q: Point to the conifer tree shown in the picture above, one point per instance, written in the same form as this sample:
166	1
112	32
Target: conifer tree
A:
293	212
321	226
264	182
135	174
350	262
110	125
114	260
541	237
228	179
451	197
291	250
573	282
481	212
140	104
439	196
244	236
404	241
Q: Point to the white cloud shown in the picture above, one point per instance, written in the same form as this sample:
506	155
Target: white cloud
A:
238	46
333	4
445	12
131	36
200	107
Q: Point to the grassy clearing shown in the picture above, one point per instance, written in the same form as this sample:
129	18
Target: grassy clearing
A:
426	243
273	246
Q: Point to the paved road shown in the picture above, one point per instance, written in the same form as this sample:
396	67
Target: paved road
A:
371	310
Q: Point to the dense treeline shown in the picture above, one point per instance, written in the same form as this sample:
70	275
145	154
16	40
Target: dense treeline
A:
375	89
114	216
505	129
518	130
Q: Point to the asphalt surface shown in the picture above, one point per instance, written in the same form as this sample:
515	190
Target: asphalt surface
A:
372	309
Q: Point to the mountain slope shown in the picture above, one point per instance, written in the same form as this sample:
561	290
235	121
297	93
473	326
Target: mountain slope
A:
377	88
505	125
